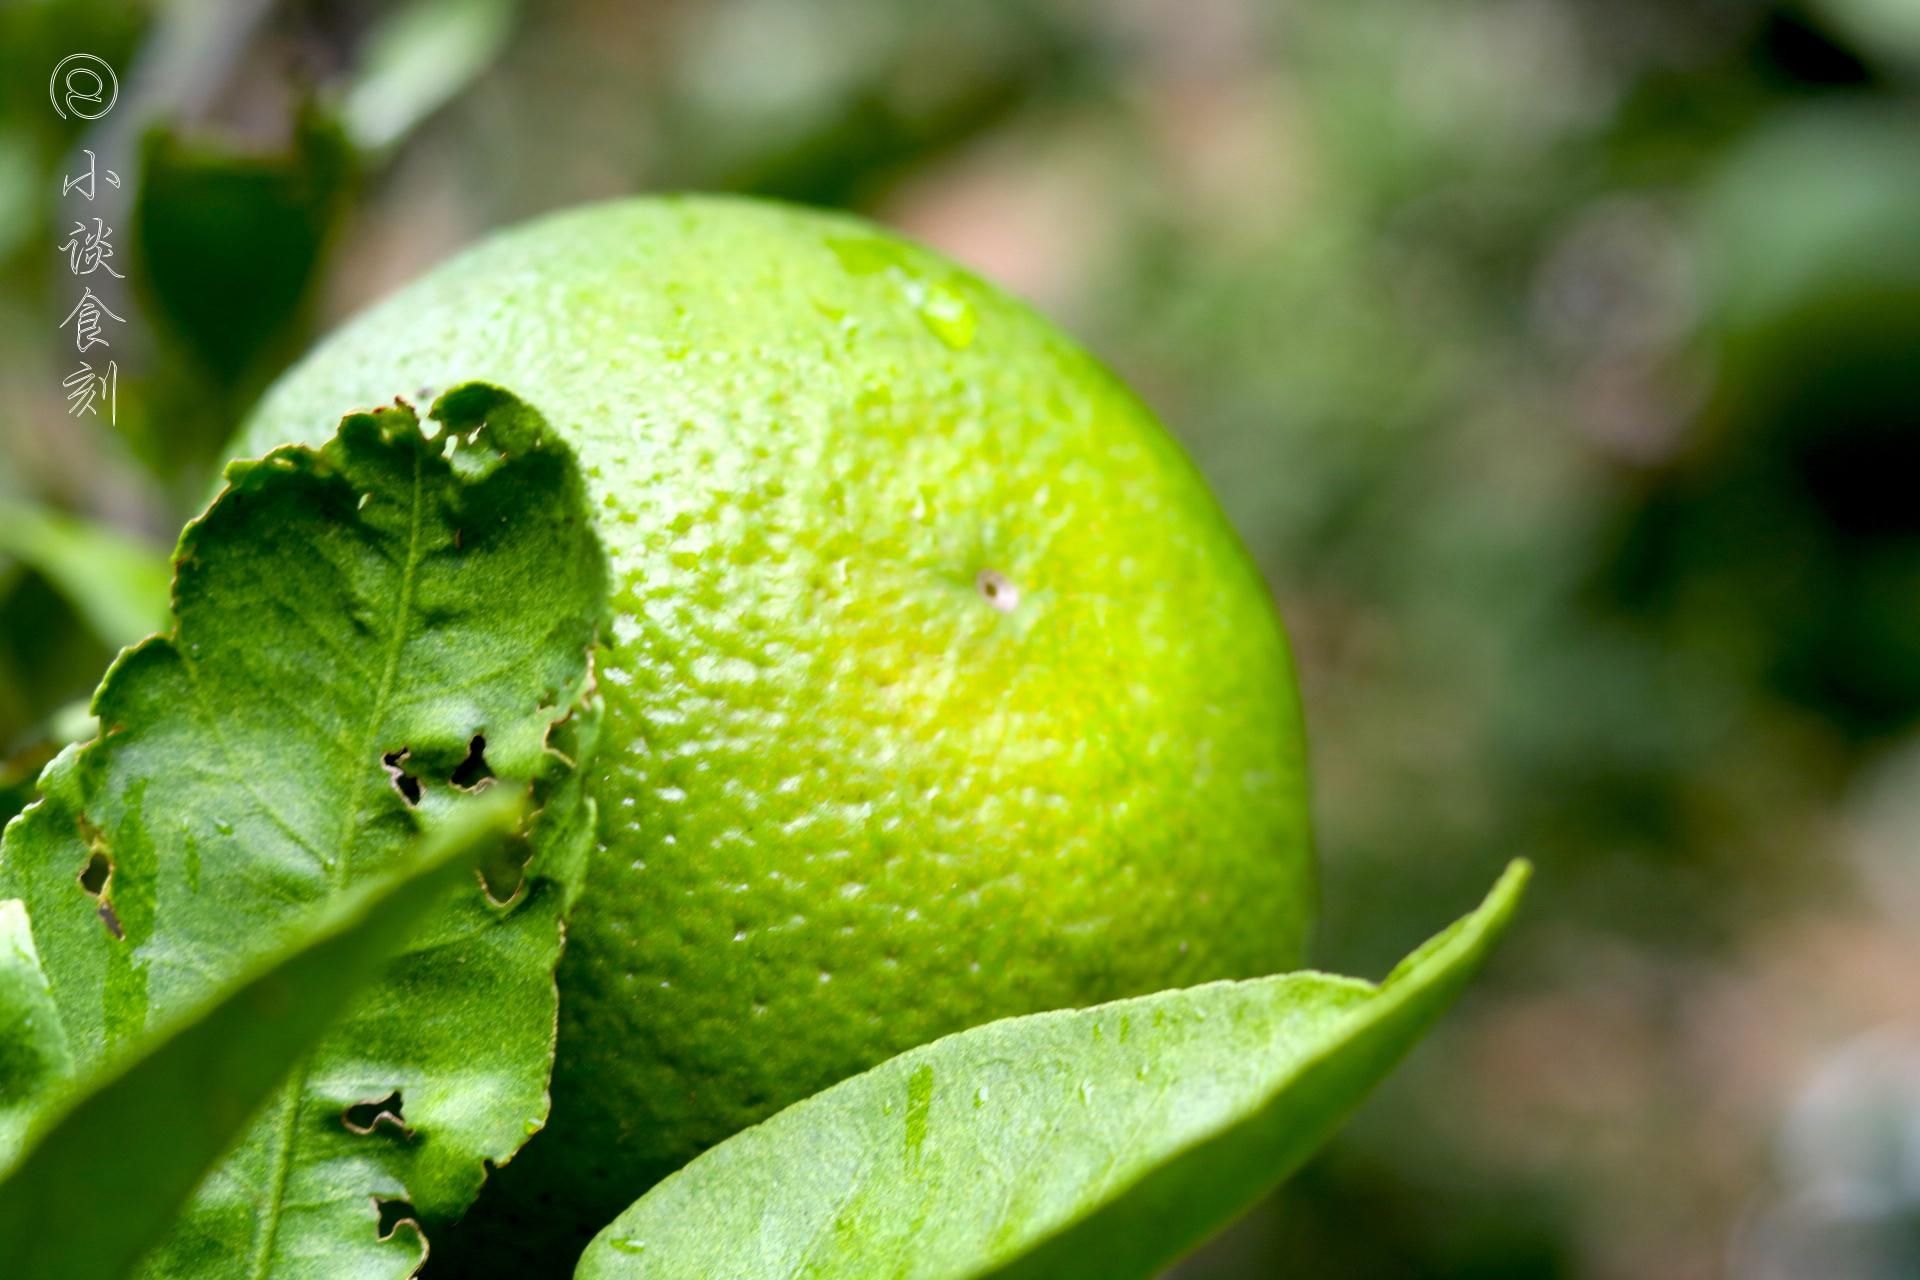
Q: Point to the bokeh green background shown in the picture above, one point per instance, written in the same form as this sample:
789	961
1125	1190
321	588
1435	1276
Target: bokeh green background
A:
1559	362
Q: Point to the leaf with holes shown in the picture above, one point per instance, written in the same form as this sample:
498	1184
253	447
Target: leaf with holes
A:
360	630
1100	1143
170	1108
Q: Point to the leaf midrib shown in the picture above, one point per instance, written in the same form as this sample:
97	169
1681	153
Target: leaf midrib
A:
296	1086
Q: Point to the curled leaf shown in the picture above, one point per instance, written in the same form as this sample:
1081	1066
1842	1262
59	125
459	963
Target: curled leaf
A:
341	613
141	1132
1098	1143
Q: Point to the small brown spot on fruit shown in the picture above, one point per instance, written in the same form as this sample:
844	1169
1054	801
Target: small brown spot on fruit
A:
998	589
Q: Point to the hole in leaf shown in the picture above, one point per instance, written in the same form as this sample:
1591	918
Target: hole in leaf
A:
94	879
470	774
93	876
503	872
364	1117
395	1215
405	783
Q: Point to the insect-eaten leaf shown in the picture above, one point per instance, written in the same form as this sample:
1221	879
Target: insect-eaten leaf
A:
137	1136
380	603
1100	1143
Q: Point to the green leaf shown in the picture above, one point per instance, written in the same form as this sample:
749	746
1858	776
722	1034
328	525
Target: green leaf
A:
1889	27
416	59
118	585
359	627
34	1061
231	241
1103	1142
141	1133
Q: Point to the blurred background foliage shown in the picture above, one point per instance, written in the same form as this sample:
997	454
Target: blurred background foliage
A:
1559	363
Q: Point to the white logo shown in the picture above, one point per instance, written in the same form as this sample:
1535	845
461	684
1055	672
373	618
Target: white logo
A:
84	86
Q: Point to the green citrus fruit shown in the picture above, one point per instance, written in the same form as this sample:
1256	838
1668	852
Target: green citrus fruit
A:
938	689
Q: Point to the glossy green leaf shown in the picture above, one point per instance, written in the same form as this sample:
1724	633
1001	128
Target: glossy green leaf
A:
34	1061
142	1132
362	630
1099	1143
118	585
